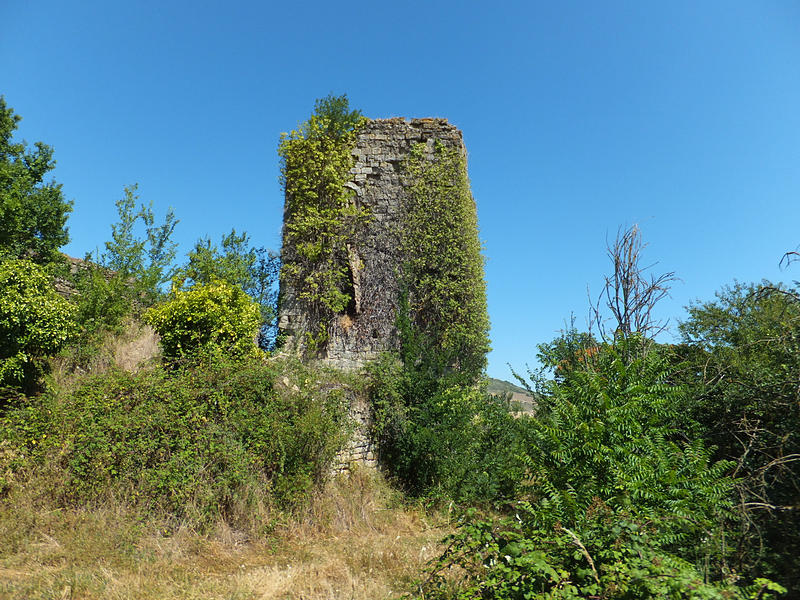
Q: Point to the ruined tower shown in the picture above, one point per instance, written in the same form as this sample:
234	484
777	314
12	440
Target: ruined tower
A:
375	257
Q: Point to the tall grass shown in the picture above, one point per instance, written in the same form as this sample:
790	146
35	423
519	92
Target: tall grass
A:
354	539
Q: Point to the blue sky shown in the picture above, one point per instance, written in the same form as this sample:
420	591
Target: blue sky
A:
579	117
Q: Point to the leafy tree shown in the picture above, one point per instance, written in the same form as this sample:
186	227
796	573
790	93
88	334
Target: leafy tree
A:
235	261
129	275
217	317
33	213
742	354
338	119
34	321
143	261
608	431
620	502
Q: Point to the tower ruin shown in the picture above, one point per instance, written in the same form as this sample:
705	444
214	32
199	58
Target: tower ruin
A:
375	257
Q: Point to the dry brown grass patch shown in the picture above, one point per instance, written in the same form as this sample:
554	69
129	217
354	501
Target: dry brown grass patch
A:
356	540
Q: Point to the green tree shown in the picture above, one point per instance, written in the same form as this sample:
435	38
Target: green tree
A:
33	213
742	354
143	261
206	318
34	322
338	119
237	262
608	430
620	502
130	274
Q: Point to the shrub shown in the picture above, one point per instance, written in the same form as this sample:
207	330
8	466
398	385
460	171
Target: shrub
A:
612	555
206	318
235	261
608	430
445	440
34	321
212	441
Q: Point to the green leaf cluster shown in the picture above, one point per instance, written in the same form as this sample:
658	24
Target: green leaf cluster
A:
321	216
34	321
444	323
129	275
216	440
444	440
142	261
216	317
741	356
613	555
236	262
614	430
33	213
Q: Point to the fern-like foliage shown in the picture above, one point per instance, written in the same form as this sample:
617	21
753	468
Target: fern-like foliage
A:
613	431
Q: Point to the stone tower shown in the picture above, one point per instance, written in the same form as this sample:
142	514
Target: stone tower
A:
368	326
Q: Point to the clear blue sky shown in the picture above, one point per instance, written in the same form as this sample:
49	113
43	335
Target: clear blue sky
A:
579	117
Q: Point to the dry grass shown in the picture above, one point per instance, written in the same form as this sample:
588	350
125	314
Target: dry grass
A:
130	349
356	540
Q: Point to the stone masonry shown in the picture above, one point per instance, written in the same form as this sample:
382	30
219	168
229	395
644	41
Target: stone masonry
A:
367	327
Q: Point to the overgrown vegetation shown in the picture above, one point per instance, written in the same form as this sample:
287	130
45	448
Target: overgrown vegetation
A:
127	278
214	318
648	470
236	262
620	494
212	441
742	354
321	216
444	324
34	322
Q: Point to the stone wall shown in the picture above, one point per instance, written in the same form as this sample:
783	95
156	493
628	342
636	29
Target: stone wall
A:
360	448
368	326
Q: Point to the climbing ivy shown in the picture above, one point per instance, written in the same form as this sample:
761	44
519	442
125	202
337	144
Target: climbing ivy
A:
321	217
444	324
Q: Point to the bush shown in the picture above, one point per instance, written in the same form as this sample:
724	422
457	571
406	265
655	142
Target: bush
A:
206	318
34	321
204	443
445	440
235	261
612	555
608	430
743	364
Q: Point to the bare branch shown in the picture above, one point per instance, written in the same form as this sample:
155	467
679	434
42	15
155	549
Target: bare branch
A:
628	293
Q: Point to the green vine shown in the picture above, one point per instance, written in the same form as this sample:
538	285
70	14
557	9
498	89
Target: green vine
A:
321	217
444	324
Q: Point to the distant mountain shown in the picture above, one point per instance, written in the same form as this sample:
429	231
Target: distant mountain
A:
519	395
500	386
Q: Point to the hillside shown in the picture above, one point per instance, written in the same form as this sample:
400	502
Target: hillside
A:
519	395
